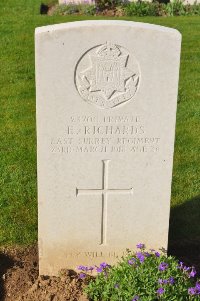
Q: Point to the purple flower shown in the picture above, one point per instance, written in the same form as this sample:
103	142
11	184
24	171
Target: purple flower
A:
147	254
192	273
116	285
82	268
157	254
163	266
171	280
192	291
85	268
185	268
140	246
166	281
160	291
99	269
131	261
82	275
104	265
140	256
197	286
163	281
135	298
180	266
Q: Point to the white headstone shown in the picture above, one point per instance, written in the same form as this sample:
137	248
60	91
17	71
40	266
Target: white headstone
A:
106	107
76	2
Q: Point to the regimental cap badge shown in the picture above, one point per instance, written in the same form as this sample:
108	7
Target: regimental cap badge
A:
108	81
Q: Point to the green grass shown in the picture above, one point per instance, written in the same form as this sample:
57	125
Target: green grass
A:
18	205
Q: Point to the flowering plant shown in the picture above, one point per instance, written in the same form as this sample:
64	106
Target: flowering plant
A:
142	276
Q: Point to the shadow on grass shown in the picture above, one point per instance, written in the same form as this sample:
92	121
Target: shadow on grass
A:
5	263
184	232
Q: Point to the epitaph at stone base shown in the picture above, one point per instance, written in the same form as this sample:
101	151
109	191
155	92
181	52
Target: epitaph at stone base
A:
106	107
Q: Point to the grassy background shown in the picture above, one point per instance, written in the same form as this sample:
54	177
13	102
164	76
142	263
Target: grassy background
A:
18	206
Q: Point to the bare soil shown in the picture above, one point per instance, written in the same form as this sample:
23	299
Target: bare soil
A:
20	280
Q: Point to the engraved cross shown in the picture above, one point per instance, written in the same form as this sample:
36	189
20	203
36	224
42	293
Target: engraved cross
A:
104	192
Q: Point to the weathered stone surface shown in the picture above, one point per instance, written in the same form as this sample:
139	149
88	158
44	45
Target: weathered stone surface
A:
106	106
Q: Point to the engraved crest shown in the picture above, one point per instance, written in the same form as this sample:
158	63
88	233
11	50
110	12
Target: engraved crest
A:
111	78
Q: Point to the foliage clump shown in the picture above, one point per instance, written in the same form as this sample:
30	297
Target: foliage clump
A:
142	276
132	8
72	8
155	8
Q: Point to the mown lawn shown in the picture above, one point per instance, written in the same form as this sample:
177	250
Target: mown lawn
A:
18	197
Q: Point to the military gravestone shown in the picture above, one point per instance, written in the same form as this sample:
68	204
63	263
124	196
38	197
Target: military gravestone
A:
106	106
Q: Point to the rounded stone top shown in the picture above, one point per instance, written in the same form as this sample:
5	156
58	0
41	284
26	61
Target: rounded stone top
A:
97	23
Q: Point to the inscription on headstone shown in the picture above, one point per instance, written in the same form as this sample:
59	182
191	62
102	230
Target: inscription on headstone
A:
106	107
